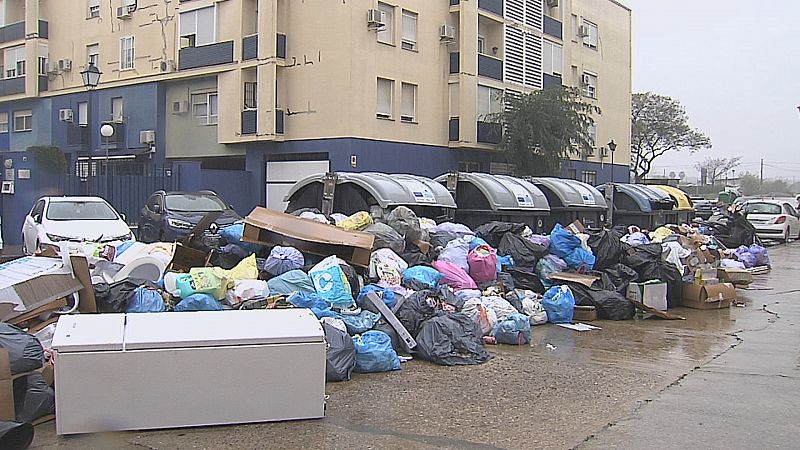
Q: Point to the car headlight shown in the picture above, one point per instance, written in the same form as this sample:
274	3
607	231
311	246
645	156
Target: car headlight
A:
124	237
181	224
57	238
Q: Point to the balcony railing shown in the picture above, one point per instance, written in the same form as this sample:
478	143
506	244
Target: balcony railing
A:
490	67
490	132
250	47
44	29
454	62
12	32
205	55
552	27
279	121
280	46
550	80
77	135
249	118
453	129
494	6
42	83
12	86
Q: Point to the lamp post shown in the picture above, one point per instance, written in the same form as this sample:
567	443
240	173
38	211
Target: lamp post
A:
90	77
612	146
106	131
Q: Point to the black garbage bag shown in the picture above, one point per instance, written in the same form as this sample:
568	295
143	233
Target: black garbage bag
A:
492	232
386	237
607	247
33	398
352	277
439	239
582	294
504	282
405	222
524	251
15	435
648	262
451	340
114	298
516	302
25	353
416	310
340	356
413	256
526	279
617	277
642	255
611	305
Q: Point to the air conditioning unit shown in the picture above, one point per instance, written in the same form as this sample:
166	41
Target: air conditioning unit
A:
552	3
583	31
447	33
65	65
375	18
585	79
147	137
166	66
65	115
123	12
180	107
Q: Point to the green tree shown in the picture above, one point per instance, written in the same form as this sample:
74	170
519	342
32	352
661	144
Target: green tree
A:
49	157
715	168
749	184
544	127
659	124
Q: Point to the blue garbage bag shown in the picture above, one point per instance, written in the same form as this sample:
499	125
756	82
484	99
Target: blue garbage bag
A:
290	282
559	303
515	330
233	235
198	302
359	323
761	254
504	261
562	242
318	305
475	242
331	282
548	265
424	276
145	301
580	258
374	352
387	295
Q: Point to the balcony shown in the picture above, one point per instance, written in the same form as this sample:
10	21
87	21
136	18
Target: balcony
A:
249	118
12	32
12	86
490	132
279	121
552	27
205	55
78	135
280	46
490	67
250	47
453	129
549	81
493	6
454	2
454	63
42	83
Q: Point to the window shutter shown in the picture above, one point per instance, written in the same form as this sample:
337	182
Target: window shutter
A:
384	97
408	101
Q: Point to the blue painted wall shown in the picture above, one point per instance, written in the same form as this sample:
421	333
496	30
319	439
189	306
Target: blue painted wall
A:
233	186
621	172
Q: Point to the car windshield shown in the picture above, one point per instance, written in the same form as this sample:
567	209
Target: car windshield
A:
762	208
191	202
75	210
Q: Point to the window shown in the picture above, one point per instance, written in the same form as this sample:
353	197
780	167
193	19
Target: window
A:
408	102
4	122
94	8
589	84
409	30
481	45
42	60
116	109
250	95
592	132
574	24
15	62
83	114
589	177
490	101
572	174
552	59
386	33
23	120
93	54
198	27
126	53
385	97
590	36
205	107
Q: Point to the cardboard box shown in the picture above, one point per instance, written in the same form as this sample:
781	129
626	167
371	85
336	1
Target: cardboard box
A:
31	282
7	411
586	280
653	295
584	314
737	277
708	297
576	227
268	227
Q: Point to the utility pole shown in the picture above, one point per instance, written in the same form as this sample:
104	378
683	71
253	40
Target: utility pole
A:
761	183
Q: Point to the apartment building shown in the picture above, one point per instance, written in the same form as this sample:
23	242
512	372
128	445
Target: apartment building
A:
267	91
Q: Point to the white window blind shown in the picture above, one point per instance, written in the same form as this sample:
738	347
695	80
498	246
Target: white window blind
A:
386	33
3	122
93	54
489	102
15	65
590	40
589	83
409	30
408	102
93	8
455	101
384	103
198	26
533	61
83	113
116	109
515	55
552	59
126	53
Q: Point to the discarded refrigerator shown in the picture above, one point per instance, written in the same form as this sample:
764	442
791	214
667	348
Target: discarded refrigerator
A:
142	371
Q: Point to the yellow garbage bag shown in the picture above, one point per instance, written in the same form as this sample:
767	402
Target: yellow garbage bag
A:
355	222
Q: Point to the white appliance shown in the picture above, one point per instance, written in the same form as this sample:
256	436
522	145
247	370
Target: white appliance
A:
142	371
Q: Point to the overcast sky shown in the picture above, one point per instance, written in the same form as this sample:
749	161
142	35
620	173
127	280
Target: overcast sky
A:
735	66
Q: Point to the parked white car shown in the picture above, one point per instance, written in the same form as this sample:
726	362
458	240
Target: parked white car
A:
773	219
73	219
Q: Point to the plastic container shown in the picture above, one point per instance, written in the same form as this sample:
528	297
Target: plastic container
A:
170	285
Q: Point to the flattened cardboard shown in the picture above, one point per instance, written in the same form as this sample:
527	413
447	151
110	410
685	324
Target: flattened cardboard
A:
7	411
586	280
31	282
737	277
576	227
268	227
80	267
708	297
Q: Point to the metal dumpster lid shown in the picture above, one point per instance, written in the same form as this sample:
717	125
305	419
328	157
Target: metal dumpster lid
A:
573	193
388	189
644	196
684	203
504	192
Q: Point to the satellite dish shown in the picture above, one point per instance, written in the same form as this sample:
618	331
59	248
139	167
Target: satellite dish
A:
682	175
672	175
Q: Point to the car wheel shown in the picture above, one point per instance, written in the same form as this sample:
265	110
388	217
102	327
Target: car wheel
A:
785	235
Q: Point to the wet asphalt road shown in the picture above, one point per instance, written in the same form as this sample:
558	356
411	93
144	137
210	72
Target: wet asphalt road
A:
720	379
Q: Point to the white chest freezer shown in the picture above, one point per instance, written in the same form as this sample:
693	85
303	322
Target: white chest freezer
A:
142	371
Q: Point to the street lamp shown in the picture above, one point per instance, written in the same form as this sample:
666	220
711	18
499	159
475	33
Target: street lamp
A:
612	146
91	77
106	131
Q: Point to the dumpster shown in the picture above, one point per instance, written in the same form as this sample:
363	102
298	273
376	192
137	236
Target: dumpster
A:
684	209
640	205
376	193
572	200
482	197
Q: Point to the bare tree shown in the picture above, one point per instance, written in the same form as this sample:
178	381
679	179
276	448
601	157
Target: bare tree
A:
659	124
716	167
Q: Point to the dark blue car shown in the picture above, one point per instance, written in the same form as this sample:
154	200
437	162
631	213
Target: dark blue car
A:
171	216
